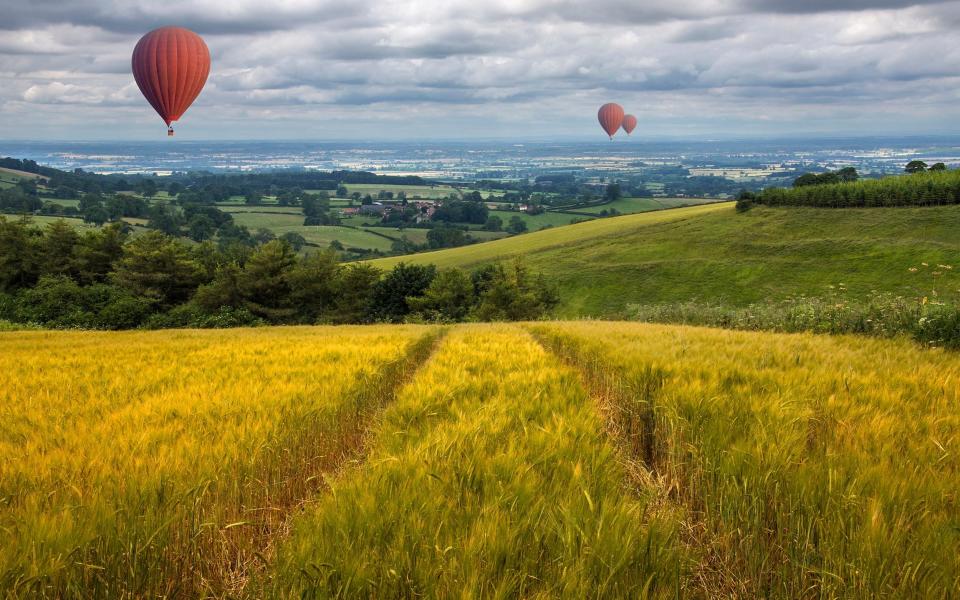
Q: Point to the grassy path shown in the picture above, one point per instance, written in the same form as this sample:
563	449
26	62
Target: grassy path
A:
490	476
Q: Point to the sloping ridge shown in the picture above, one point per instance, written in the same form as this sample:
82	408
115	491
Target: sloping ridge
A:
546	239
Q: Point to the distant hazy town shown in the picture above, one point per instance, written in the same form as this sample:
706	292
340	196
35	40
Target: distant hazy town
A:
716	169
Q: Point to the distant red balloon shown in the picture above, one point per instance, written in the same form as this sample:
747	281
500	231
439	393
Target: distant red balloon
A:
170	66
611	117
629	123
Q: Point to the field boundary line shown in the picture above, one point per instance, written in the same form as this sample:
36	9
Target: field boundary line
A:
371	394
630	416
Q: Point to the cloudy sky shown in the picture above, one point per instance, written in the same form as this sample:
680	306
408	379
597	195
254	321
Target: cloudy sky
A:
523	69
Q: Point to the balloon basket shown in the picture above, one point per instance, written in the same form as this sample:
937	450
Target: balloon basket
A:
169	131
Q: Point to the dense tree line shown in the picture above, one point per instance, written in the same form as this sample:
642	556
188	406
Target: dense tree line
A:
922	188
471	211
108	279
203	187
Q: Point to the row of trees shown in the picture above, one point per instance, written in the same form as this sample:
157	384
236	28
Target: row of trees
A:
106	279
208	187
923	188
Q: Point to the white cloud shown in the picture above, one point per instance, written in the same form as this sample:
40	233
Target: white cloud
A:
476	67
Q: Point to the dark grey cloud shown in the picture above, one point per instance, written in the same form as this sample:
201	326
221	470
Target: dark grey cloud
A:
647	13
828	6
204	16
710	30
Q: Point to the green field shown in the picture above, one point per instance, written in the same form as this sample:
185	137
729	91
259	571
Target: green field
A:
625	206
487	235
360	220
42	221
432	192
537	222
9	178
75	203
635	205
437	191
15	175
253	216
78	223
321	235
714	254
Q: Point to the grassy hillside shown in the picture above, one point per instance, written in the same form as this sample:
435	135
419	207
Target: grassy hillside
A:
714	254
547	460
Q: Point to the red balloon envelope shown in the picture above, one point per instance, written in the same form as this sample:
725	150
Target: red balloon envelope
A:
170	66
611	117
629	123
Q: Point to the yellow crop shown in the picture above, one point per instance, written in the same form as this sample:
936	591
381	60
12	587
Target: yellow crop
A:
133	461
807	465
566	460
491	477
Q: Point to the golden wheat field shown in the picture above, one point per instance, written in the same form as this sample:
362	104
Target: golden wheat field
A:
536	460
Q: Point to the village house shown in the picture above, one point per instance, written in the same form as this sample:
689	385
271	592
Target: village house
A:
377	208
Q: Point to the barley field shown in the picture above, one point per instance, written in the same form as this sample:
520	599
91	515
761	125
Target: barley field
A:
492	475
802	465
540	460
162	463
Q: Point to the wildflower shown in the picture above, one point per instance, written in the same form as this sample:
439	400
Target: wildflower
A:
924	264
912	269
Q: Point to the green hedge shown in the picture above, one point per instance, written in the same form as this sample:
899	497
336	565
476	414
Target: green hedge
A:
931	188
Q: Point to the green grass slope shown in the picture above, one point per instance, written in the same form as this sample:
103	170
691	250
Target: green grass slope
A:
713	254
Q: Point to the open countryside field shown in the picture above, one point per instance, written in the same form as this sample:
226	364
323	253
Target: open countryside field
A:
712	253
77	223
539	241
253	210
428	192
281	222
432	192
15	175
540	460
537	222
41	221
626	206
635	205
118	475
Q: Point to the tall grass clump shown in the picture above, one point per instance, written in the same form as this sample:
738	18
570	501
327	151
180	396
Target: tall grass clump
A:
884	315
806	466
490	477
926	317
165	464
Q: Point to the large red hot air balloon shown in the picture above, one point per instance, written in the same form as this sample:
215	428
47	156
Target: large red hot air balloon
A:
611	117
629	123
171	65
